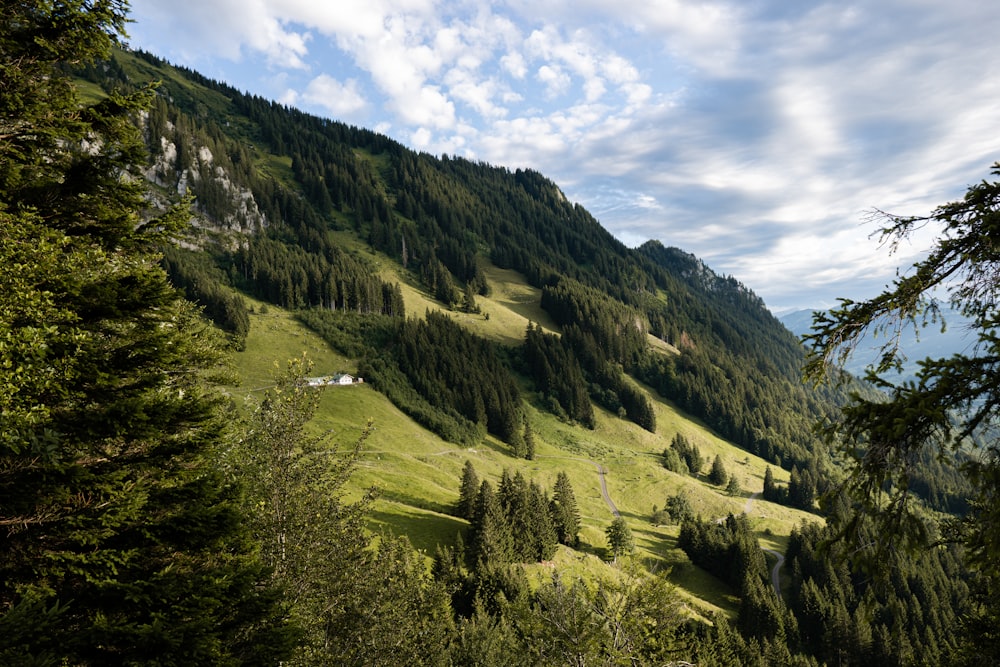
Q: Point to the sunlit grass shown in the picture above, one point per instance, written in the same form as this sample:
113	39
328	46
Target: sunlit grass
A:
416	473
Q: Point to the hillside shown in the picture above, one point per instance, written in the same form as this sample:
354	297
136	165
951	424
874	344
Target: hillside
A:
496	323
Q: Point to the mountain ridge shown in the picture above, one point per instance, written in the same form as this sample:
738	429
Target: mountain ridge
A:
405	267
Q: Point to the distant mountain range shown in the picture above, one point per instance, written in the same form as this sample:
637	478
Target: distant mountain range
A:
917	345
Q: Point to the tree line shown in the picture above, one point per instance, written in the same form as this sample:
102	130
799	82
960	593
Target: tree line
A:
737	369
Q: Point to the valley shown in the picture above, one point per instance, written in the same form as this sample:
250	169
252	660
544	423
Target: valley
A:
416	473
560	450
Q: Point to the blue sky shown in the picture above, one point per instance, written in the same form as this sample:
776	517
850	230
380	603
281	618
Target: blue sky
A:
755	135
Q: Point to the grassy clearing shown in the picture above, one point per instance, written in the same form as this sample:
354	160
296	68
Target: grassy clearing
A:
417	474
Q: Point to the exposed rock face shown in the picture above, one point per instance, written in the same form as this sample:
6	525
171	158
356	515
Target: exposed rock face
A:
224	210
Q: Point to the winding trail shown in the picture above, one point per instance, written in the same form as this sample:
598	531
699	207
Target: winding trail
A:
604	490
776	570
600	473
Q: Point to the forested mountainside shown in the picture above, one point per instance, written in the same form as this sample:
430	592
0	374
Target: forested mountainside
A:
127	483
277	183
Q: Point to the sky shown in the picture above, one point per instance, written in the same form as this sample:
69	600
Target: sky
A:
755	134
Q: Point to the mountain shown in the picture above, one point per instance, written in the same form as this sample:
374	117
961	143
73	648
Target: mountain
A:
493	321
278	191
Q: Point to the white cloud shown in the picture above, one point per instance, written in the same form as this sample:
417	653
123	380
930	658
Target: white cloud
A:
514	64
556	81
339	99
752	134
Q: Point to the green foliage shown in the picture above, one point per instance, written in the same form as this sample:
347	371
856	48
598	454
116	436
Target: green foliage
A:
456	370
620	540
912	617
293	276
682	456
727	549
557	375
350	601
718	475
950	405
205	284
467	491
565	514
446	378
122	541
677	509
733	487
491	542
517	523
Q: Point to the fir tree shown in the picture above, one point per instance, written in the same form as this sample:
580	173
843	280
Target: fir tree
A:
122	542
468	491
718	474
565	515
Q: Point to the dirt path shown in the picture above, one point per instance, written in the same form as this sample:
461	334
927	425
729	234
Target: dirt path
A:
776	570
604	490
600	473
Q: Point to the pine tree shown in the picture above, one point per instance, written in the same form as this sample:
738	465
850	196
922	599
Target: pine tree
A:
122	541
468	491
718	474
565	515
490	539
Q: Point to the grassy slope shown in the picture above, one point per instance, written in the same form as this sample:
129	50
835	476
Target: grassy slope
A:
417	473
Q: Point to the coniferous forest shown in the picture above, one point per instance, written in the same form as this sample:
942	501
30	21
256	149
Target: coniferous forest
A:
149	216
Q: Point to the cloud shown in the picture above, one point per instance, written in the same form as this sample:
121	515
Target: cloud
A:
227	28
338	99
752	134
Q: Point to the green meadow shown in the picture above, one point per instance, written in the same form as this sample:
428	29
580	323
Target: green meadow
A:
416	474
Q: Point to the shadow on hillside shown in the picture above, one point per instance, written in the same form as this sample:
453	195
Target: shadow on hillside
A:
413	501
424	529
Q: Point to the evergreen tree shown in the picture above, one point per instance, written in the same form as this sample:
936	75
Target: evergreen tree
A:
770	491
490	540
543	531
122	541
565	515
468	491
951	405
733	487
718	474
620	540
529	441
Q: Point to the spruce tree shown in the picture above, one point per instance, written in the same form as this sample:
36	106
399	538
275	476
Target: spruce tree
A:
770	491
718	474
565	515
468	491
529	441
122	541
490	539
543	530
